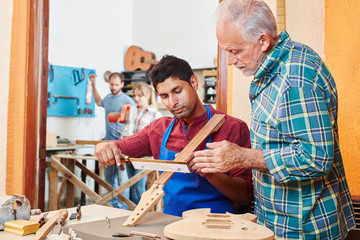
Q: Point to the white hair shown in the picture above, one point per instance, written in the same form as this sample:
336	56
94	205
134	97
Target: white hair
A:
254	17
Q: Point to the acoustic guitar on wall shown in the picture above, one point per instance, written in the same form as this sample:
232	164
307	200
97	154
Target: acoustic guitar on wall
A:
136	58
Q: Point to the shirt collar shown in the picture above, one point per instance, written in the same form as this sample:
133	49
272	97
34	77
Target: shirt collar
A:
270	63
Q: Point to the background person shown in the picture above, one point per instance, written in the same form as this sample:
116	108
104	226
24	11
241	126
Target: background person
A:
147	113
113	102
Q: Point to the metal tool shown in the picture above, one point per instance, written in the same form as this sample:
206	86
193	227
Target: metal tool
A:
108	222
42	220
76	215
159	165
136	233
58	227
67	97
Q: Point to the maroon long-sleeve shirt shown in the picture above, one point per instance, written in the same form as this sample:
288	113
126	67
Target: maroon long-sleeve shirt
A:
147	142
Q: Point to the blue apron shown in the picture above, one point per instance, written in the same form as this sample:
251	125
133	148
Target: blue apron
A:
190	191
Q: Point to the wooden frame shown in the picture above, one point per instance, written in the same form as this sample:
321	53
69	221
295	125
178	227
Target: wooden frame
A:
37	58
65	164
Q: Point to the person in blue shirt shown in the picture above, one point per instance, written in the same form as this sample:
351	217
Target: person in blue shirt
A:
113	102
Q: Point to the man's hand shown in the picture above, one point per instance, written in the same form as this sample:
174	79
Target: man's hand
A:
93	79
220	157
225	156
108	153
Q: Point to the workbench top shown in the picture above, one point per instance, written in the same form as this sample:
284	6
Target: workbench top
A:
89	213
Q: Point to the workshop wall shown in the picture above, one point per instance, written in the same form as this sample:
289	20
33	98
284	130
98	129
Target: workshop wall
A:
96	35
91	34
182	28
342	47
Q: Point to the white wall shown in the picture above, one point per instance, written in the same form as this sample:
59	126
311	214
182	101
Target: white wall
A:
182	28
91	34
96	34
6	9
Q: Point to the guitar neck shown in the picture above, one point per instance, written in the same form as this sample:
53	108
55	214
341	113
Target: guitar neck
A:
150	61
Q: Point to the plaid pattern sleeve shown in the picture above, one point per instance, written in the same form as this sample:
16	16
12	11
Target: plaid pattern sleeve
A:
294	112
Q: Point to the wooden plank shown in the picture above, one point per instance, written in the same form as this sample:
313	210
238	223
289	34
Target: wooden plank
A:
43	102
155	193
208	73
61	189
90	142
96	178
74	180
69	163
53	184
44	230
222	81
117	191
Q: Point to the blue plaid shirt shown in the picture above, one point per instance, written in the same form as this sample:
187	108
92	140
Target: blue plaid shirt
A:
294	121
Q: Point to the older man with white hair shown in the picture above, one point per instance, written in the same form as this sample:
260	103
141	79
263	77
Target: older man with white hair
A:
300	186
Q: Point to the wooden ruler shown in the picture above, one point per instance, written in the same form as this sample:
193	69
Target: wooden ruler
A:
155	193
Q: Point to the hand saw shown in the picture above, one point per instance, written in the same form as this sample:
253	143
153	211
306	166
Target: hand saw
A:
155	192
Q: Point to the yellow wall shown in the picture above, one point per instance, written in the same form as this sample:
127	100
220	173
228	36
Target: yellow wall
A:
16	106
342	56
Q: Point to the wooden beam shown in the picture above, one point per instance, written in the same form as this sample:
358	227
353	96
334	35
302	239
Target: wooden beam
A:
43	103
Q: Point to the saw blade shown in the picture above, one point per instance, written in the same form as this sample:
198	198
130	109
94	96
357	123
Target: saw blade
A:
159	165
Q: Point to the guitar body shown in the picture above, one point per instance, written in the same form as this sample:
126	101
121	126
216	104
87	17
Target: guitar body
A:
136	58
201	224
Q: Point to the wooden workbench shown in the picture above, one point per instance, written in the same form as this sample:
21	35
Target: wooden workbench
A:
90	213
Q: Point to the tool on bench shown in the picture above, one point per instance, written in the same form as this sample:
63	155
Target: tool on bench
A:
155	193
42	220
77	214
58	227
159	165
136	233
44	230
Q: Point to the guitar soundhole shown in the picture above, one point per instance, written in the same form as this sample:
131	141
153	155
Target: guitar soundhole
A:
142	59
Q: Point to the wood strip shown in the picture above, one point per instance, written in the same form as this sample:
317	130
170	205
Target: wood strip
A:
222	81
69	164
117	191
96	178
43	103
61	189
53	184
90	142
32	96
155	193
44	230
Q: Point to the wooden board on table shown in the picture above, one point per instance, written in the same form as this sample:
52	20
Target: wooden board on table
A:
201	224
153	223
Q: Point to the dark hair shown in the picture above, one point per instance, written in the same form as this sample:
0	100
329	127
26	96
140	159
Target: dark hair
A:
117	74
170	66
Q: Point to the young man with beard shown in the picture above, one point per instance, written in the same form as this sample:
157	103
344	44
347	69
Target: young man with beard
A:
176	84
113	102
